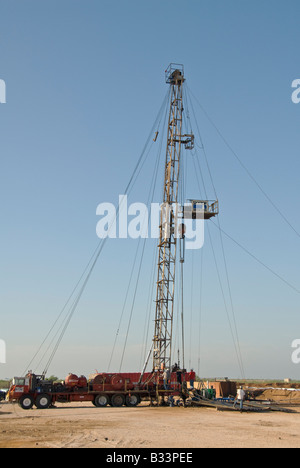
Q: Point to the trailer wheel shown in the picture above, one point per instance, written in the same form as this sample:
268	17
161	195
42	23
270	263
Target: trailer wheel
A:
117	400
101	401
26	402
132	400
43	401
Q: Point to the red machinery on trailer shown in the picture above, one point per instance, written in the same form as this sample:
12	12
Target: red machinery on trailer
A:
101	389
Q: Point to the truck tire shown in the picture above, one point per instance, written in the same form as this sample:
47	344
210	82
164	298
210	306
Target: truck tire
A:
117	400
43	401
132	400
26	402
101	401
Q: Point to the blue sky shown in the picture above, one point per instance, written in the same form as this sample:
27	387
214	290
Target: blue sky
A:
85	81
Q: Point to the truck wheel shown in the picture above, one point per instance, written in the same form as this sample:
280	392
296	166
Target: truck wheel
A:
43	401
101	401
26	402
132	400
117	400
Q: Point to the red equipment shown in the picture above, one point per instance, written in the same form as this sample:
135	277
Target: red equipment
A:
101	389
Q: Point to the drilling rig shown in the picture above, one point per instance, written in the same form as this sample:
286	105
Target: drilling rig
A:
129	388
167	247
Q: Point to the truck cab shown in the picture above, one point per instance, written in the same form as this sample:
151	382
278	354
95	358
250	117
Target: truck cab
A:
19	386
26	391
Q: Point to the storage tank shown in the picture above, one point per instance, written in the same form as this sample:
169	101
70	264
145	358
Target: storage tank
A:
82	381
72	380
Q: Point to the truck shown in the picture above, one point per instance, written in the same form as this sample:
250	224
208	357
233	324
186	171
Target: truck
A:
100	389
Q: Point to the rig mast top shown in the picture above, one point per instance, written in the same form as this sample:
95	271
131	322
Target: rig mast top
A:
174	74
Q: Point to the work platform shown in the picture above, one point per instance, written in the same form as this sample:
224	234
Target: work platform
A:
200	209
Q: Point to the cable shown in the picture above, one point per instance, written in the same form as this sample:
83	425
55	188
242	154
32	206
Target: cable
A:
150	199
191	315
123	309
200	314
231	301
259	261
234	334
152	280
245	168
95	256
239	358
132	306
182	317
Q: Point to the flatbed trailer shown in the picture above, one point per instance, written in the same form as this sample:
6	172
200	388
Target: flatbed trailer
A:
101	390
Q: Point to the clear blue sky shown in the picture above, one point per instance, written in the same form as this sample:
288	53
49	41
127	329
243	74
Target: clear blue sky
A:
85	80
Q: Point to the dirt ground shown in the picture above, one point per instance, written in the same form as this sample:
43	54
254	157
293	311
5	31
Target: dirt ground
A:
84	426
